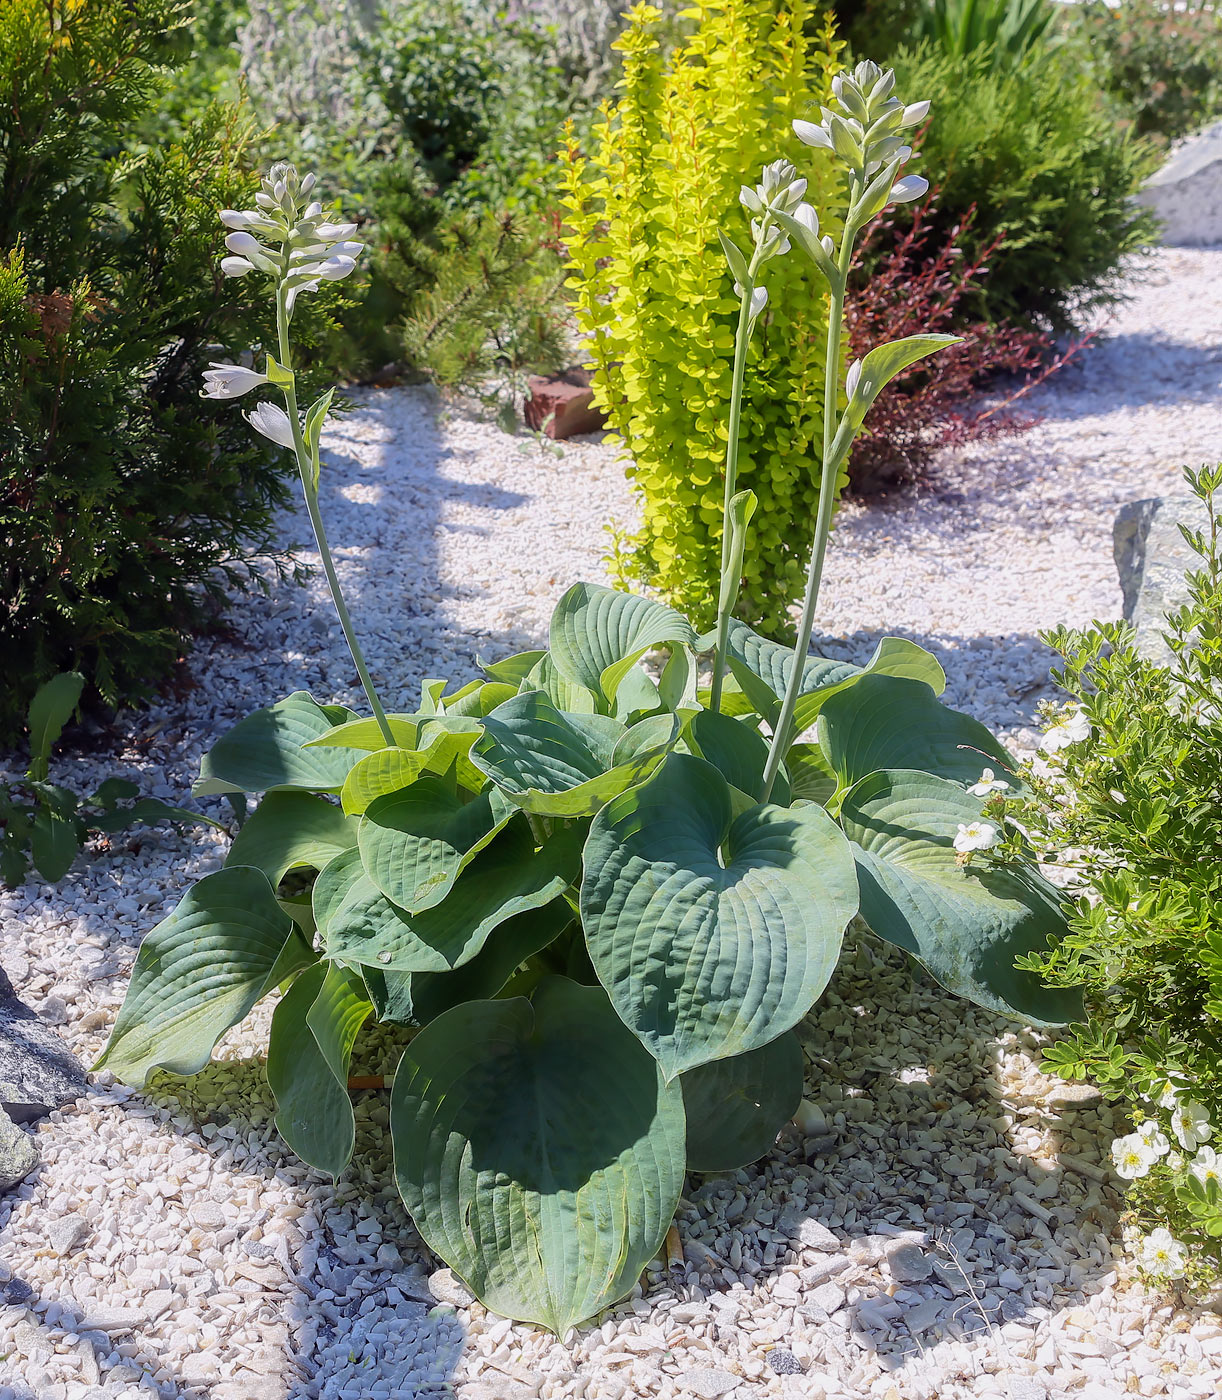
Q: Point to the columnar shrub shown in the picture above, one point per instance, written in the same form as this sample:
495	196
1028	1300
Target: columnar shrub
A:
645	204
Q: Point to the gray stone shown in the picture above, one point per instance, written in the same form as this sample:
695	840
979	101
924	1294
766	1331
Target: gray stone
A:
814	1235
826	1268
18	1154
909	1263
67	1233
784	1363
1186	193
829	1297
37	1074
708	1382
1152	558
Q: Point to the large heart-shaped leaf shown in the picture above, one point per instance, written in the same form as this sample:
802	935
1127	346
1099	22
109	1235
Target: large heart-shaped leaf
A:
567	696
442	744
538	1150
313	1030
265	751
289	829
360	925
415	841
566	765
597	634
713	934
511	670
762	668
736	1107
889	722
966	925
200	971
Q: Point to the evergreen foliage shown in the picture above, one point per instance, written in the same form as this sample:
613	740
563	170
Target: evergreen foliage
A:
645	203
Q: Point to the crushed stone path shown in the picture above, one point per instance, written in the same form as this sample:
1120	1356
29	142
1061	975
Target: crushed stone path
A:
949	1229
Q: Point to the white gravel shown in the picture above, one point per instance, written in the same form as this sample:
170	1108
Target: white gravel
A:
948	1231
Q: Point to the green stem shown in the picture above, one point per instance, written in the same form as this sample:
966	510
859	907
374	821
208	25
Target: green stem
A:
823	522
727	596
306	472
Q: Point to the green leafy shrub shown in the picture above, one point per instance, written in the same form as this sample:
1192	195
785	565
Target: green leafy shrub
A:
1127	798
599	894
45	824
1160	62
1008	31
1035	156
645	205
126	505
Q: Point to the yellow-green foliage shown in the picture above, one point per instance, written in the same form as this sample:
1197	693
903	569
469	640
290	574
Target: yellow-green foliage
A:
656	303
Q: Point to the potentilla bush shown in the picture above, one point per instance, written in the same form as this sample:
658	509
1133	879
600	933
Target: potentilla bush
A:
646	200
127	506
598	897
1125	796
1031	151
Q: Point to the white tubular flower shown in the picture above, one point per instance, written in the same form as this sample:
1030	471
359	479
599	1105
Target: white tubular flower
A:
988	785
975	836
236	267
909	188
1162	1254
1132	1156
243	243
230	381
1206	1166
1190	1124
273	423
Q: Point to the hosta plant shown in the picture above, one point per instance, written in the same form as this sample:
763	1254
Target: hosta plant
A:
602	883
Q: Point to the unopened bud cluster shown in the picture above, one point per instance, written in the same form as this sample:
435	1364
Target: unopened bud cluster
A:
307	248
865	133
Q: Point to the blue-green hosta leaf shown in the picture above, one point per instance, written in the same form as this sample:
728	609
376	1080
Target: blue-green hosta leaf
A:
713	934
762	668
736	1107
442	744
491	968
566	765
636	695
736	750
512	670
367	734
966	925
567	696
677	687
415	841
313	1030
538	1151
200	971
289	829
266	751
597	634
478	699
360	925
890	722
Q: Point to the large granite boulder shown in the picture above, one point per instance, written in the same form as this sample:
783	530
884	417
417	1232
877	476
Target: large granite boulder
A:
1152	558
1186	193
37	1074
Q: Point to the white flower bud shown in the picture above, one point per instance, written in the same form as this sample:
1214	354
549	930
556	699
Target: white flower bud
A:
264	200
805	215
273	423
335	268
812	134
312	210
237	218
748	198
759	299
853	378
308	183
909	188
914	113
236	267
828	246
244	243
230	381
329	231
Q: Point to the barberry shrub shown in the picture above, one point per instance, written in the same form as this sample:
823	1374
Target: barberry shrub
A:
1126	798
127	505
645	204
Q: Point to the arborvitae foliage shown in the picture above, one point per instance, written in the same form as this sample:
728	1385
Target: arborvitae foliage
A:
652	295
127	504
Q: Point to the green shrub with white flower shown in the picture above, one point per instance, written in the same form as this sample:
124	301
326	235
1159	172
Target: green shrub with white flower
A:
600	886
1125	797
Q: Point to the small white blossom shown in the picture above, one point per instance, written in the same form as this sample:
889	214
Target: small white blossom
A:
1206	1166
1154	1137
988	785
273	423
1161	1253
1071	730
1132	1156
1190	1123
975	836
230	381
